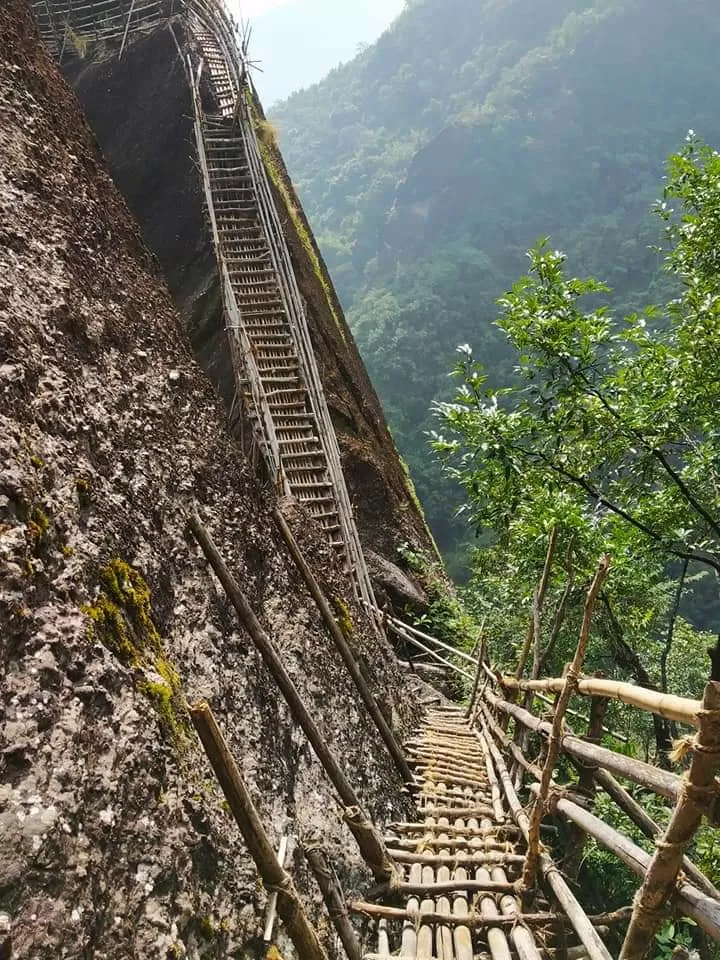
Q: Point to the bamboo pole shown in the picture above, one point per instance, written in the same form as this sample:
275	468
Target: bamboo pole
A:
343	648
553	747
680	709
689	900
586	784
538	602
632	809
438	887
697	793
662	782
424	917
272	900
581	923
470	858
478	671
273	875
368	839
334	901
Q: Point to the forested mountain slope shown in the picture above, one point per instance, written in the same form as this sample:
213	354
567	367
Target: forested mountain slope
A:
431	162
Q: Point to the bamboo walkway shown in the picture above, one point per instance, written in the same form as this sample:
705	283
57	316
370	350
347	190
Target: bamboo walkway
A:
461	860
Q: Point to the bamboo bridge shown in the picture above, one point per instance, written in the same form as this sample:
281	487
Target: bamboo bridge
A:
471	875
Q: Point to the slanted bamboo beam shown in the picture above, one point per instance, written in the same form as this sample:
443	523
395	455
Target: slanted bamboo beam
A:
553	747
662	782
680	709
698	792
632	809
274	877
334	901
581	923
690	901
478	672
343	648
368	839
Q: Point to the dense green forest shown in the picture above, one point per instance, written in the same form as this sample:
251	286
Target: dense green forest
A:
435	159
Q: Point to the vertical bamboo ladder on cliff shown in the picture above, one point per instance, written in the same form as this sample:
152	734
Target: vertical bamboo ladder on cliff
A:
275	367
266	315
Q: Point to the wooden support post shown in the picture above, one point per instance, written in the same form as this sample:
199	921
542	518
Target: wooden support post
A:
334	901
368	839
246	816
344	649
538	601
272	900
478	671
586	784
581	923
697	793
553	748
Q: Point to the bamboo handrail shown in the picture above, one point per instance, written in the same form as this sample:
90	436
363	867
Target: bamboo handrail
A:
581	923
662	782
691	901
680	709
697	793
555	736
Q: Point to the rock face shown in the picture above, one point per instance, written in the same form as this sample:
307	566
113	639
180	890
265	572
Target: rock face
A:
114	839
140	110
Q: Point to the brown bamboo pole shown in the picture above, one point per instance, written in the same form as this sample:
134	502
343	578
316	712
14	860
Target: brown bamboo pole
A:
424	917
698	792
662	782
436	859
632	809
680	709
689	900
581	923
343	648
553	747
586	784
538	602
332	895
368	839
438	887
502	830
478	671
289	905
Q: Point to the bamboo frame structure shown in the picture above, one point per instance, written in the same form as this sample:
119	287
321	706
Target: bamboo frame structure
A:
553	747
334	901
368	839
343	648
246	816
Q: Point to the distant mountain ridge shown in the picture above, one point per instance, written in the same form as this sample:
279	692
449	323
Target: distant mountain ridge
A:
433	160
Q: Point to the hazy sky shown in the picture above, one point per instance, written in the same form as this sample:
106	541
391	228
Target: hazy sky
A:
298	41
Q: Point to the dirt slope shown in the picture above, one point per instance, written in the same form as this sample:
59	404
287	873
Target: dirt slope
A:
114	841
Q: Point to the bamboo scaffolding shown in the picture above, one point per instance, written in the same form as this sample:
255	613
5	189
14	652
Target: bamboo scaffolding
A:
689	900
553	747
334	901
274	877
662	782
343	648
580	716
697	793
368	839
680	709
582	925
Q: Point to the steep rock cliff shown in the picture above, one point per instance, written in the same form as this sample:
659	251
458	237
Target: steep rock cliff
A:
114	840
140	110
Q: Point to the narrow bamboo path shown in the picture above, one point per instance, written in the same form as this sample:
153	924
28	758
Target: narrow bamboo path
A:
461	859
